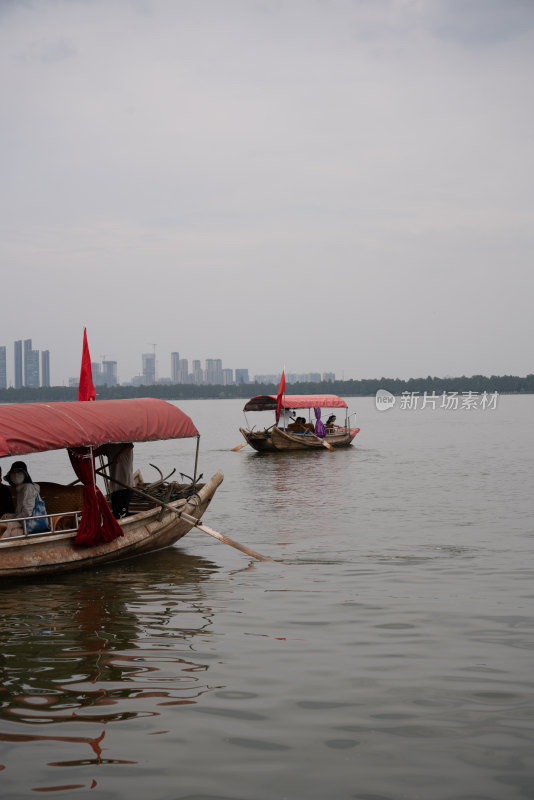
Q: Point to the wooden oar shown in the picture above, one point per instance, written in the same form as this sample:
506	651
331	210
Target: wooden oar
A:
325	443
193	521
239	447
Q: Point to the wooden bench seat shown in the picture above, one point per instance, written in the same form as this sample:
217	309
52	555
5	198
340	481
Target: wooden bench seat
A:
61	499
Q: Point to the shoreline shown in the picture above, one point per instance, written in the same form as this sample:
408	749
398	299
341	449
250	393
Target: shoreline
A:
366	387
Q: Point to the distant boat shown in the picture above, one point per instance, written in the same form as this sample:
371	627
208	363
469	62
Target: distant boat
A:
78	427
287	436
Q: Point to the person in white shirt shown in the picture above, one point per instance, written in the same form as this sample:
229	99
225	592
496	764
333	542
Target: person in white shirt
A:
286	417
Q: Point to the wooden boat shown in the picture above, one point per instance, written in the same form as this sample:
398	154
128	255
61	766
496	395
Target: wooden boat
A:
284	437
78	427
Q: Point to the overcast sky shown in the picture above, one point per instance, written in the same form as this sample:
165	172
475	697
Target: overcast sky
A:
333	185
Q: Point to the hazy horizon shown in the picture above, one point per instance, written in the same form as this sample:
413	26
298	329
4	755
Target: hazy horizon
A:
299	378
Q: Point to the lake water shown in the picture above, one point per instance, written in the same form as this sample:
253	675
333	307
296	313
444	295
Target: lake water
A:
388	654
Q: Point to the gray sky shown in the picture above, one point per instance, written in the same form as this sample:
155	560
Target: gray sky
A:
338	185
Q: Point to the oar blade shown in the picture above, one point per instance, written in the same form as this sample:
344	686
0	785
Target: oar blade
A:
194	521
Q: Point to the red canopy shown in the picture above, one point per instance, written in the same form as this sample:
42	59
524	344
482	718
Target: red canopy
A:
267	402
36	427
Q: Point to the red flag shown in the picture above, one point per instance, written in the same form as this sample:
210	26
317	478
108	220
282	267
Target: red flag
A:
86	389
281	391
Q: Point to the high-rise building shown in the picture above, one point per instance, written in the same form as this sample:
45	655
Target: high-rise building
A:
96	372
3	368
149	369
183	371
209	372
198	377
214	371
18	364
241	376
109	373
175	367
329	376
227	377
31	365
27	349
45	368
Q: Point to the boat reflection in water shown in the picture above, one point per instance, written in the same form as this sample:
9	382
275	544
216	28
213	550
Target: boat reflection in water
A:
79	655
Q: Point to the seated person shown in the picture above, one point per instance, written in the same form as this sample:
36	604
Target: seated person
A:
330	424
28	502
299	426
120	466
6	501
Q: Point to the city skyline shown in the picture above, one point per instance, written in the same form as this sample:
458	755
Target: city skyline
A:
106	373
31	368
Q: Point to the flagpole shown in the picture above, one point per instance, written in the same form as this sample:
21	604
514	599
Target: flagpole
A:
86	392
280	396
284	395
86	389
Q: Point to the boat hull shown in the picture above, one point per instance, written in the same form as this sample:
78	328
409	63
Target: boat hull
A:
260	440
145	532
285	440
277	440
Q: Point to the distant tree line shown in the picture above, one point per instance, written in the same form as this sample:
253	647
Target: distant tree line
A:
504	384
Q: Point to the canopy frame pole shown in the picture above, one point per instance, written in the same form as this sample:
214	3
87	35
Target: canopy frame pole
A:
107	484
196	461
93	465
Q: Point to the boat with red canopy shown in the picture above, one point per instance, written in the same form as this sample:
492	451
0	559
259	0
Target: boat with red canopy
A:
293	432
81	530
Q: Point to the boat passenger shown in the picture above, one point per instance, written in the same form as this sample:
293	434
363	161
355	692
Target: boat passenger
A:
28	502
305	426
120	464
299	426
6	501
330	423
286	418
